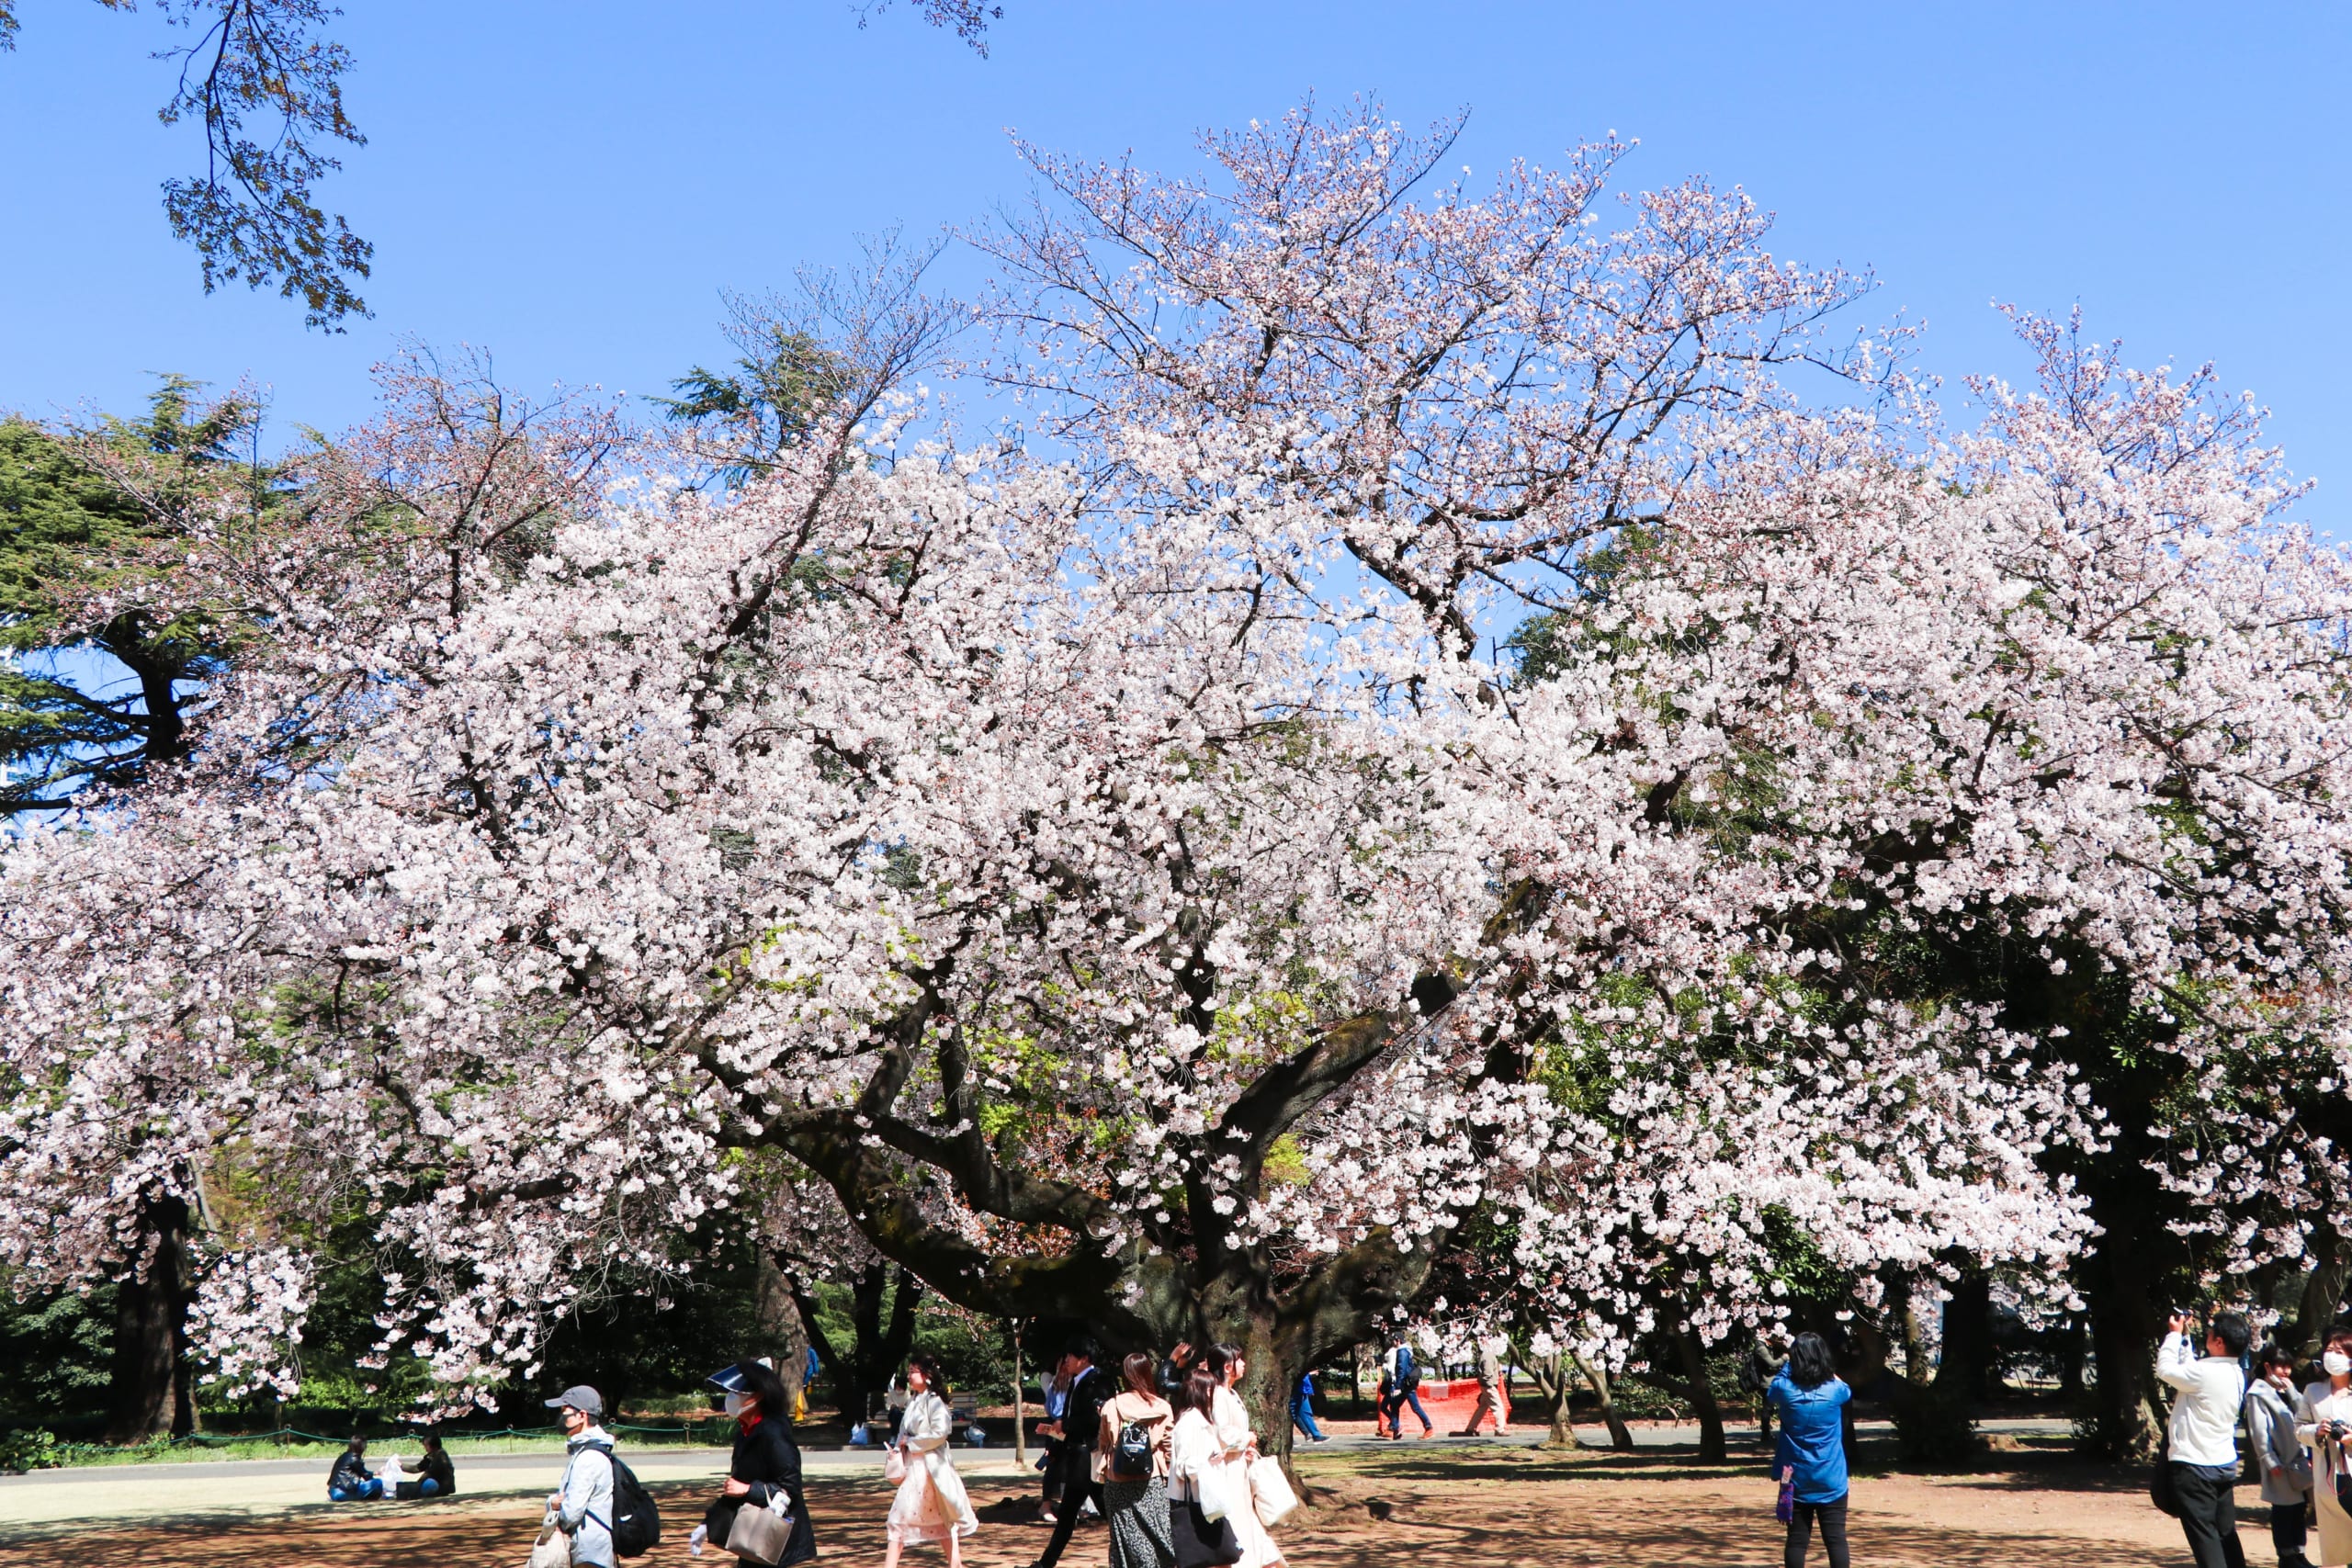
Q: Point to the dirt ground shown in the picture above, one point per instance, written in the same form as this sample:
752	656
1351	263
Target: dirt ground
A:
1464	1508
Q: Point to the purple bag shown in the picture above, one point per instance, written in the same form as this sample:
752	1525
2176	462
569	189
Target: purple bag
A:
1786	1508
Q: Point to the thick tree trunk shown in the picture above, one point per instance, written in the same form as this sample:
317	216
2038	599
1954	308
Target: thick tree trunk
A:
1693	1358
149	1398
1621	1436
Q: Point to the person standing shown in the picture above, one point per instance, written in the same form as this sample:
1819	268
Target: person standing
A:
1757	1371
809	1367
1192	1458
1135	1499
2327	1405
931	1505
1493	1398
349	1481
2202	1446
1236	1446
764	1470
1810	1456
1087	1388
582	1507
1302	1410
2273	1410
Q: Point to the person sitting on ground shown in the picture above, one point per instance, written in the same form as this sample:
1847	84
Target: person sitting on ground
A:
1810	1456
435	1476
349	1481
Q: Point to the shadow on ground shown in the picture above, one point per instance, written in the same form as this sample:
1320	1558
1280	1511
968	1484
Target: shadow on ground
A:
1605	1511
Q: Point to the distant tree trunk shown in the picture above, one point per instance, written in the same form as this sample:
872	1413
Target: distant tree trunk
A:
1702	1397
1966	1372
149	1396
1621	1436
2323	1292
1551	1385
883	1298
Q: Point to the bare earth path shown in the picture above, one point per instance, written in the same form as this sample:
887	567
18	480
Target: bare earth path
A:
1460	1506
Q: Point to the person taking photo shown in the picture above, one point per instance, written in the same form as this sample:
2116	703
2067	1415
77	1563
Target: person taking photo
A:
2202	1446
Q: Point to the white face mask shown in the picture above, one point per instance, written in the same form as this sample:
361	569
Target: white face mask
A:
2336	1362
734	1404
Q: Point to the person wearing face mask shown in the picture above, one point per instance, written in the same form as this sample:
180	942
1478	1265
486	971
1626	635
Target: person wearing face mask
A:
764	1470
2328	1416
2273	1409
2201	1443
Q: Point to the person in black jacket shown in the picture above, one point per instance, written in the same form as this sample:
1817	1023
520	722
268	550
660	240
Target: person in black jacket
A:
767	1464
349	1481
1089	1388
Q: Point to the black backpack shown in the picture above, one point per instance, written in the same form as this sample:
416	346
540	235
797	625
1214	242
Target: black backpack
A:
636	1523
1409	1372
1131	1456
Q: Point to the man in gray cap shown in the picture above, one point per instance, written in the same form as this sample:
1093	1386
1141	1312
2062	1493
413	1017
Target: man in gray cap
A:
582	1508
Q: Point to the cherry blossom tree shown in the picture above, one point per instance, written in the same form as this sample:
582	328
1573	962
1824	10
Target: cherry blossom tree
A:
1104	862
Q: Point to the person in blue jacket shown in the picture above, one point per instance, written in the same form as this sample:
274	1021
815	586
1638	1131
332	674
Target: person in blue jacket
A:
1810	1453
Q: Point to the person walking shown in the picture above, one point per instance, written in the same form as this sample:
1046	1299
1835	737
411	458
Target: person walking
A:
1494	1399
349	1480
582	1507
764	1470
1404	1388
1810	1456
2273	1410
931	1505
2201	1445
1135	1484
1087	1387
1302	1410
809	1367
1192	1459
2327	1406
1236	1446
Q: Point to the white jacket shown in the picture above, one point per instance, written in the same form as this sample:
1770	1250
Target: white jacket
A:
2211	1392
586	1509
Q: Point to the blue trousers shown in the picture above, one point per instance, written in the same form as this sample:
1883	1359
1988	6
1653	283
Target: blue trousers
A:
1302	1416
1396	1402
367	1491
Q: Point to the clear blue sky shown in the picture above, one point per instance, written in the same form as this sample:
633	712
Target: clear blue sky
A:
570	183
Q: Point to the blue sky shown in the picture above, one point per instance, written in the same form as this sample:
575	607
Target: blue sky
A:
571	185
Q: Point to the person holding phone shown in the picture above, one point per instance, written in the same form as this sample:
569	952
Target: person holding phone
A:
2201	1445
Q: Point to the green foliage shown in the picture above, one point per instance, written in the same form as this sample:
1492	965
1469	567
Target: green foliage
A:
29	1450
783	380
59	1351
87	520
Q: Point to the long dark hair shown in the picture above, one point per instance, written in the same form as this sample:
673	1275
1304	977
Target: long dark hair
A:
1810	1363
934	1380
1198	1391
761	1382
1221	1357
1140	1371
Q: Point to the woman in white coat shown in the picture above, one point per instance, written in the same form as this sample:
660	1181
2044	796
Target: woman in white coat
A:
2330	1402
931	1505
1236	1446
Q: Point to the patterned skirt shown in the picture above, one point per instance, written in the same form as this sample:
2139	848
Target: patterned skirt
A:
1136	1512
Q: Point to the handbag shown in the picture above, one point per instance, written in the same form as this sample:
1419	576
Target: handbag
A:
894	1464
1201	1541
759	1535
1785	1510
553	1550
1269	1491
